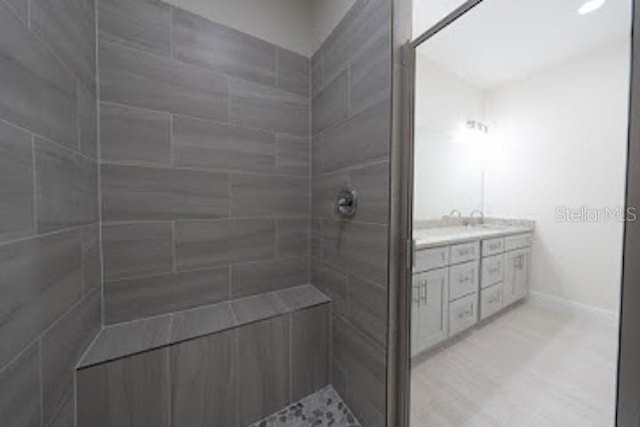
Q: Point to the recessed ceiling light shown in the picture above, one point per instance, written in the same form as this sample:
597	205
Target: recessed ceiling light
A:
589	6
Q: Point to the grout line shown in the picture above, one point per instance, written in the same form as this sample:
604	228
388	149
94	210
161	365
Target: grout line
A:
174	259
172	160
290	356
277	69
34	176
167	355
147	165
201	119
41	382
43	235
99	160
230	278
171	24
78	120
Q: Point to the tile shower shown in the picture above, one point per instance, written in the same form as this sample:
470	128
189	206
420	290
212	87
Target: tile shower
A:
169	253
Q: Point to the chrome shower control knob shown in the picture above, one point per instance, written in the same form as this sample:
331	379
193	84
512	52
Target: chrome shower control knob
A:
347	203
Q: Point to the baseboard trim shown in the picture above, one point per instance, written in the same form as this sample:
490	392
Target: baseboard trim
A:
573	306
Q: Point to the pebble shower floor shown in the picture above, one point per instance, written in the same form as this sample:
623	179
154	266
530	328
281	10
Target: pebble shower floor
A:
323	408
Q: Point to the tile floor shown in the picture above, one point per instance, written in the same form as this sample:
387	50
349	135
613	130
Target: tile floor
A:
532	366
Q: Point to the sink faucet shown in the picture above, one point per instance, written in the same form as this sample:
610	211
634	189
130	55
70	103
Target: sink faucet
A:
455	213
477	214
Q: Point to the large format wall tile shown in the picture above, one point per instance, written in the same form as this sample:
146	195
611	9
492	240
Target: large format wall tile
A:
143	193
87	121
41	279
362	138
20	391
292	157
331	105
38	92
361	24
357	247
264	373
204	381
49	300
144	80
91	261
256	195
265	276
137	249
209	145
368	308
309	351
293	72
333	282
370	77
264	107
293	237
134	135
21	7
200	41
351	82
66	188
62	346
66	416
149	296
209	243
372	183
68	27
129	392
16	183
143	24
363	363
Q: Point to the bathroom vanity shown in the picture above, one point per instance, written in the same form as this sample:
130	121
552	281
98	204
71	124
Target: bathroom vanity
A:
465	274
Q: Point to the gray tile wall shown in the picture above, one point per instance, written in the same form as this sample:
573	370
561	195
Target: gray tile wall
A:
205	167
351	125
50	305
231	378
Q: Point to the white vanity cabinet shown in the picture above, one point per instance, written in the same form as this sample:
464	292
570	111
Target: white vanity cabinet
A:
456	286
516	283
430	316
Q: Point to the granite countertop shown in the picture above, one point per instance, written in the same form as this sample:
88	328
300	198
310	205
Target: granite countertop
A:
438	236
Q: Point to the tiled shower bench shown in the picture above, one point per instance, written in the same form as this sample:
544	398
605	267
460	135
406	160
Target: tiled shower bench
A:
226	364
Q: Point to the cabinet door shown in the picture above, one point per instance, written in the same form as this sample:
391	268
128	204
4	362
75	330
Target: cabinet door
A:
463	314
415	316
516	284
432	313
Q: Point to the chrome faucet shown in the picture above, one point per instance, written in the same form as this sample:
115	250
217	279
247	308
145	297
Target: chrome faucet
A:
455	214
478	212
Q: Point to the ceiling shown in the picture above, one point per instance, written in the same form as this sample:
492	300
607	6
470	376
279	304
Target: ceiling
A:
503	40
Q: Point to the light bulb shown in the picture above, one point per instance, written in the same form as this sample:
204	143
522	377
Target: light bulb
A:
590	6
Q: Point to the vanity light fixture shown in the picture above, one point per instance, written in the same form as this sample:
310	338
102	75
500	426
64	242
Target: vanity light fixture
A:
589	6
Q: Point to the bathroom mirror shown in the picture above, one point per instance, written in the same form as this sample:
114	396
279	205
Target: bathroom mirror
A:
450	140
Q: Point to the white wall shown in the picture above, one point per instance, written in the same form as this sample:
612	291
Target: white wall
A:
297	25
326	15
448	171
562	142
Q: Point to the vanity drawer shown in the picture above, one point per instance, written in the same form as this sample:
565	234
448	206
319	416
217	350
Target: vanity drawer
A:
492	246
517	241
463	280
490	301
492	270
429	259
463	313
464	252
